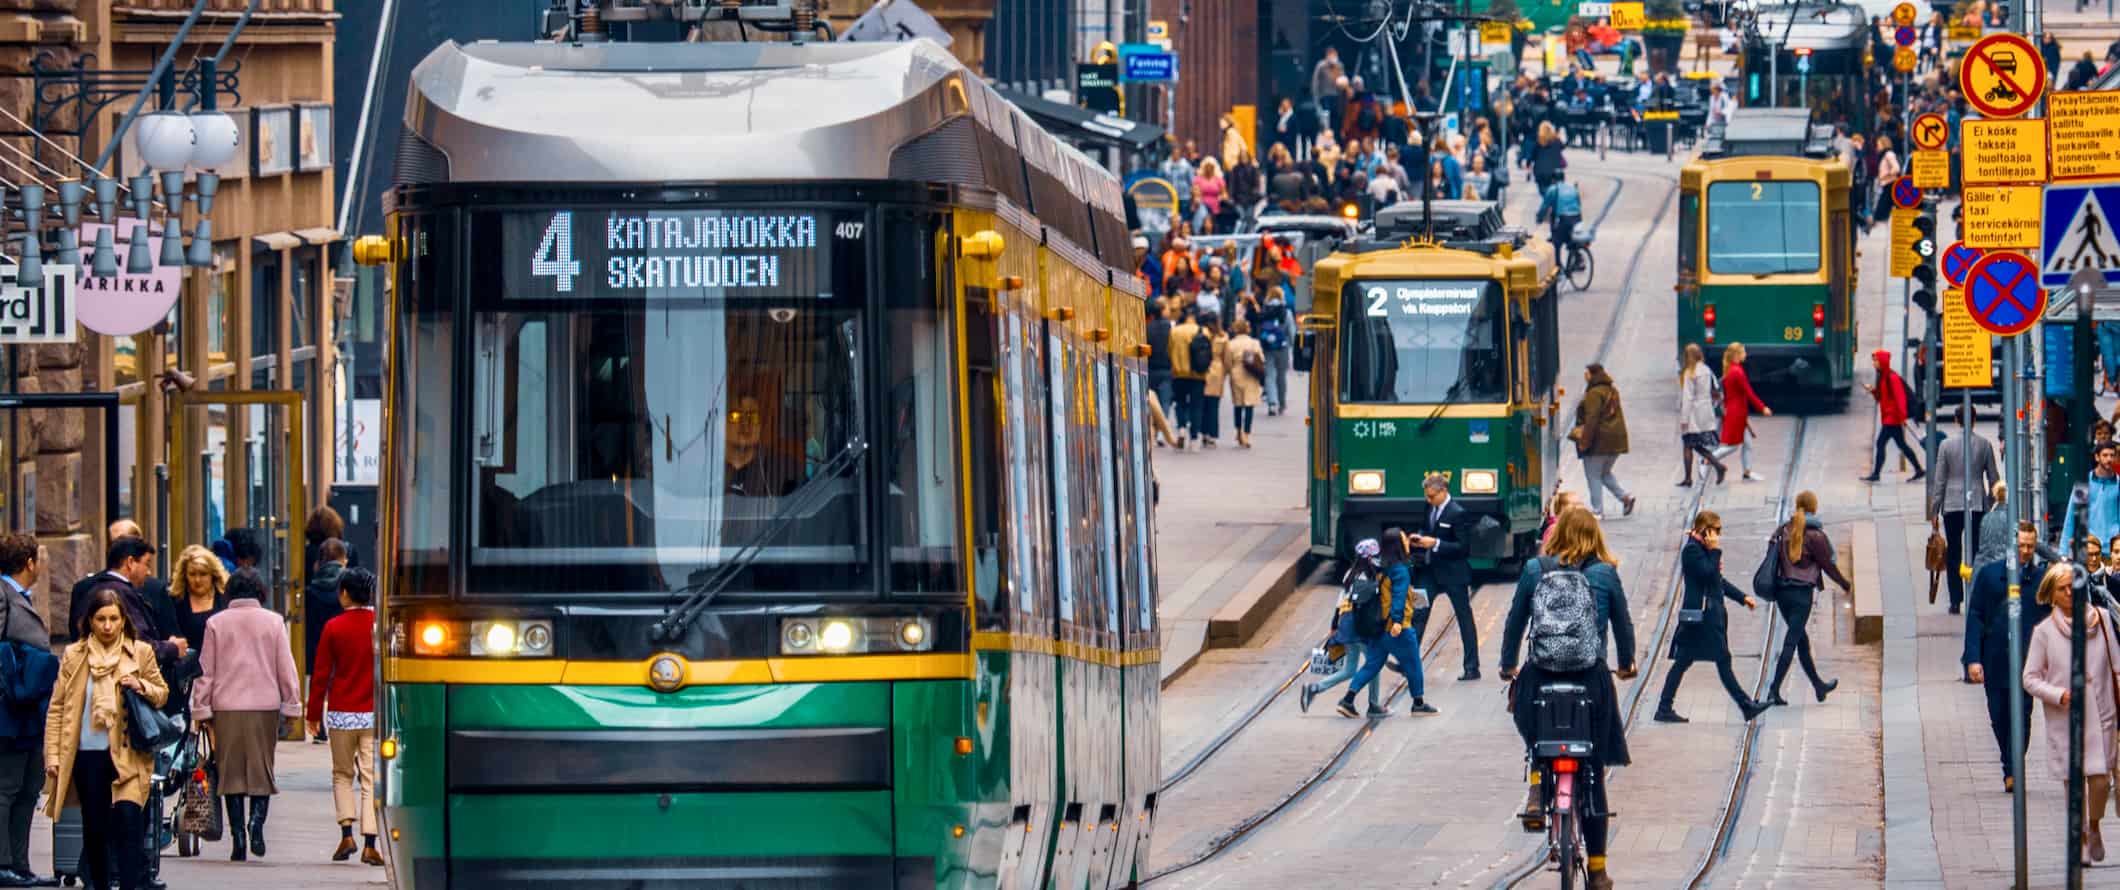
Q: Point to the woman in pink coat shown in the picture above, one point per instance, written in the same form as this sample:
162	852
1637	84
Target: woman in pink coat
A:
1738	402
2046	678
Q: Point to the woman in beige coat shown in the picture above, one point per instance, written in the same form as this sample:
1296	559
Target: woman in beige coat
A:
1245	387
2046	678
1210	416
88	753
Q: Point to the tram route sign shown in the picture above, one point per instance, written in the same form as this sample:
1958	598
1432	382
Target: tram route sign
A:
1968	352
2001	216
677	253
2076	232
2003	293
1930	168
2003	75
2004	152
1931	131
2083	134
1958	259
1903	15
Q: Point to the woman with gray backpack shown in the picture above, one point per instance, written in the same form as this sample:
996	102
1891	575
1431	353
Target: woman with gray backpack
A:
1565	602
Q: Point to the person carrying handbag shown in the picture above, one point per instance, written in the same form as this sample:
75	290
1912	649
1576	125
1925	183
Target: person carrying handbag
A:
90	758
2047	669
1703	621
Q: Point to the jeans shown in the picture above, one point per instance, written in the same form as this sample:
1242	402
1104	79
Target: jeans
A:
105	825
1165	387
1207	417
1277	365
1468	631
1189	393
1402	646
1744	453
1597	477
1349	666
1240	417
21	778
1722	670
1893	433
1795	604
1954	531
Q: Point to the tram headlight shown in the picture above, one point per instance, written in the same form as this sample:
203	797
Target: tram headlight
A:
1480	482
482	638
841	635
1365	482
836	636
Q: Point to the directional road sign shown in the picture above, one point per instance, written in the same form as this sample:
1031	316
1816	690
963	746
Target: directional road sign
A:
2002	75
1903	36
2003	293
1904	195
2076	232
1931	131
1903	14
1958	259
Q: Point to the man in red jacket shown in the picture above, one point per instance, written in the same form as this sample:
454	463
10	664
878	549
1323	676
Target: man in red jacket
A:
342	698
1890	391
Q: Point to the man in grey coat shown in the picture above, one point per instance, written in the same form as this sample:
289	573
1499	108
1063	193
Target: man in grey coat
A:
1958	495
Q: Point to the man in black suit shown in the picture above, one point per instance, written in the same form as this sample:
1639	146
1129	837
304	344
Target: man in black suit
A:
130	562
153	592
1444	569
1987	636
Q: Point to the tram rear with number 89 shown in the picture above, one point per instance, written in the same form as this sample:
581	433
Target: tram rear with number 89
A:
766	498
1766	254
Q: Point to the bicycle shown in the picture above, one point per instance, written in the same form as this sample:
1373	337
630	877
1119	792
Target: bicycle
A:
1565	793
1577	263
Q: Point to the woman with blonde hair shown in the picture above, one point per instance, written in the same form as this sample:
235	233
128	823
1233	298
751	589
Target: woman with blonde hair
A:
2047	668
1207	189
1546	160
199	586
1697	414
1738	403
1806	560
1577	547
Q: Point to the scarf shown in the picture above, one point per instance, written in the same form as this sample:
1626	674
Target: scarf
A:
103	663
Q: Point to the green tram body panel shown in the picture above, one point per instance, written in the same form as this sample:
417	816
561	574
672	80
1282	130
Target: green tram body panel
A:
1789	300
1502	434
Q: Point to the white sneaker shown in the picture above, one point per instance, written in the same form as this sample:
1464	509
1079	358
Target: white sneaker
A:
1754	477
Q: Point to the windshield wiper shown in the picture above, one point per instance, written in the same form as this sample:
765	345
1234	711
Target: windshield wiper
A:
700	592
1450	397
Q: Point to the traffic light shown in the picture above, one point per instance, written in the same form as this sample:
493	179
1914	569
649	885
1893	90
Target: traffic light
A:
1924	248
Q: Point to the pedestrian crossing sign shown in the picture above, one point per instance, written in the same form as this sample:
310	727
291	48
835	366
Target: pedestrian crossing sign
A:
2076	232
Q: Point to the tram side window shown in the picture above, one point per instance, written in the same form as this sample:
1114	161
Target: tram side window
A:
1688	235
1764	228
920	471
988	458
1423	342
423	368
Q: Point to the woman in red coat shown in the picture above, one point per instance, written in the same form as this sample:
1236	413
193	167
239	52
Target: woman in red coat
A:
1738	402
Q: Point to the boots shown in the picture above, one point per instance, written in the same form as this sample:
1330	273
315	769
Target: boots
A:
236	829
258	806
1665	713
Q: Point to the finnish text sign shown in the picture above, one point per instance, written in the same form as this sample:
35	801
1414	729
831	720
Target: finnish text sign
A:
1999	216
1967	352
2084	131
2004	152
1904	235
1931	169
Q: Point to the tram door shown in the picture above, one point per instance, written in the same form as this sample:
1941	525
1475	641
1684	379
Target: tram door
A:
238	468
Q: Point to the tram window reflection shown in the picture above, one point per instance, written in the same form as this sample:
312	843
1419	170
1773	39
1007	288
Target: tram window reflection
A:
634	447
1764	228
1416	342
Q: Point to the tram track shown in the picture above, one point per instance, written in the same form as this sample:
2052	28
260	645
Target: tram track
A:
1523	872
1249	825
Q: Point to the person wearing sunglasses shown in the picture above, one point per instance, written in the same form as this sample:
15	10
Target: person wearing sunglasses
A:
1703	620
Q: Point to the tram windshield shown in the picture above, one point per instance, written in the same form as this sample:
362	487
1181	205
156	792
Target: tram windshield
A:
650	393
1423	342
1764	228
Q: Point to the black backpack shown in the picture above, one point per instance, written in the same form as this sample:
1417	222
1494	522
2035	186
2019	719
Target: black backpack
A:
1201	352
1366	595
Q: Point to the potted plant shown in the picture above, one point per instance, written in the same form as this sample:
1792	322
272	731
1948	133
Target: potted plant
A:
1664	33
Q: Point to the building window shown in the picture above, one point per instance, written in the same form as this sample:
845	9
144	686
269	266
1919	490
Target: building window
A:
266	269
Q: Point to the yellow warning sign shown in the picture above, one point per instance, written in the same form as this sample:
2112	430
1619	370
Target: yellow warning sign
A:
2004	152
2001	216
1494	32
2084	131
1904	235
1931	169
1961	32
1628	16
1903	15
1905	60
1968	352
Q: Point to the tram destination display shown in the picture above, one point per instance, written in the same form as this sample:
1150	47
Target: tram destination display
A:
676	253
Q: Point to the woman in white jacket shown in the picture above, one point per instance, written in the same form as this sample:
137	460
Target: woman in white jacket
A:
1699	415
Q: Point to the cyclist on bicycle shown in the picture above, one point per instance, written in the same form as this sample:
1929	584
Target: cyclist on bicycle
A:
1568	599
1563	204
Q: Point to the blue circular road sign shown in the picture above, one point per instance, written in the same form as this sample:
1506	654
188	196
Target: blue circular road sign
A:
1904	36
1904	195
1958	259
2002	291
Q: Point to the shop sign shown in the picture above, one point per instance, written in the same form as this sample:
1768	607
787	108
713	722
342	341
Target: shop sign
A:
37	314
2083	132
126	304
2004	152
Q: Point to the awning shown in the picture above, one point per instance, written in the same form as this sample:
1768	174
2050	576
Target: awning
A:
318	235
275	241
1082	124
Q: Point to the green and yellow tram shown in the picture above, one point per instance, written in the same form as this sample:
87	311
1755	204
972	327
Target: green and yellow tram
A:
1434	355
1766	253
768	500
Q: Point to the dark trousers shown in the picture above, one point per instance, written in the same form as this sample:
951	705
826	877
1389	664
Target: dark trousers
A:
1597	827
1165	387
21	779
1955	530
1702	444
1207	419
1722	669
1795	606
105	826
1893	433
1189	392
1468	630
1241	418
1997	686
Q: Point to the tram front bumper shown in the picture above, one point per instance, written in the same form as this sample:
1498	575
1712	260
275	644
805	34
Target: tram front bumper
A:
1487	538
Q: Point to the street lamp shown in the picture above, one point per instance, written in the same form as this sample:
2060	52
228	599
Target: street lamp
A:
173	143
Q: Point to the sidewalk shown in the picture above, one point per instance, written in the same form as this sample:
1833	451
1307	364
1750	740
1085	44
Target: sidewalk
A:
300	836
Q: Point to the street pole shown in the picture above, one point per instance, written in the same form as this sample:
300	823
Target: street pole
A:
2013	448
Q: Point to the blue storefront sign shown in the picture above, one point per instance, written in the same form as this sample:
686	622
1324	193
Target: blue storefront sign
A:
1147	62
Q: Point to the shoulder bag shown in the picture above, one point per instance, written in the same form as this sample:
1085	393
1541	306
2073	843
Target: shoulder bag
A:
1936	558
1766	580
199	811
146	726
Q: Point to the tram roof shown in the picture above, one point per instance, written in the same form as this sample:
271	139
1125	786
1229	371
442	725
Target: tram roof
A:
1769	131
1819	27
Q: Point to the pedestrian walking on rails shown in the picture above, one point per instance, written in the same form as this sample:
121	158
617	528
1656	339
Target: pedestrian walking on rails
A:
1276	328
1360	588
1568	601
1600	436
1397	642
1246	361
2047	669
1987	637
342	699
2094	504
1698	416
89	758
1803	560
1207	420
1955	507
246	688
1893	411
1442	568
32	669
1703	621
1188	368
1739	401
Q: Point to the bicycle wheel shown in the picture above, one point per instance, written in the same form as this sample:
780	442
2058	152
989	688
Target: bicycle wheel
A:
1581	268
1566	852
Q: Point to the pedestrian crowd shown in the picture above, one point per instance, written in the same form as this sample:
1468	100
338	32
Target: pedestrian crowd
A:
181	690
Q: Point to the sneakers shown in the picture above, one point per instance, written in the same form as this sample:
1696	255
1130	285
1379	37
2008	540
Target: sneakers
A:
1376	710
1753	477
1667	715
1303	699
1346	708
1421	708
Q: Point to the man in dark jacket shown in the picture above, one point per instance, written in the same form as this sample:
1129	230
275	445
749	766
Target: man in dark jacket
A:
1987	637
1439	555
2085	71
154	592
21	755
129	563
320	604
